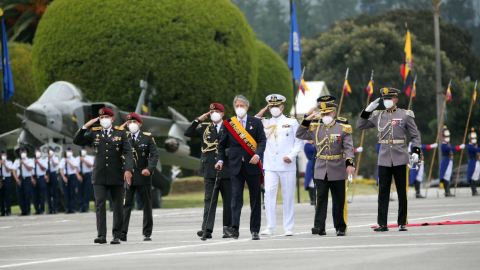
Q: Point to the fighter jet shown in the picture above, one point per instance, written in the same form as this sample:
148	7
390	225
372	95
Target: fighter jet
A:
56	116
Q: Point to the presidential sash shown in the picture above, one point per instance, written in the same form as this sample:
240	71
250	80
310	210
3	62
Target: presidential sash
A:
244	138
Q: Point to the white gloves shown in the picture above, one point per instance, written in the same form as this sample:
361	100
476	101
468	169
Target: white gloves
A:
415	158
359	149
350	178
462	146
435	145
373	105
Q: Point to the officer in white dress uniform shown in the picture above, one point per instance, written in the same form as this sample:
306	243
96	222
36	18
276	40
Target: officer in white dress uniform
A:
279	163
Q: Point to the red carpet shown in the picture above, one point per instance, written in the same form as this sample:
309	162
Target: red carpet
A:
435	223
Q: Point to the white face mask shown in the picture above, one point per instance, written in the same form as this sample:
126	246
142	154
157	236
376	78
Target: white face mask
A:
69	154
23	155
327	120
215	117
474	141
447	139
275	111
241	112
133	127
4	157
388	103
84	153
51	152
38	154
105	122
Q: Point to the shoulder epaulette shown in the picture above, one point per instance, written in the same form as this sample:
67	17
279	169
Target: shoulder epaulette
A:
288	116
206	123
410	113
376	112
313	125
147	133
128	133
346	128
96	128
119	128
342	120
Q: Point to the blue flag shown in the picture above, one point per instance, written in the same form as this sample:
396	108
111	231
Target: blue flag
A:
7	88
294	48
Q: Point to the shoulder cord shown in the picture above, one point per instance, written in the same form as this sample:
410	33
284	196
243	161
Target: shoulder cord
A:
210	146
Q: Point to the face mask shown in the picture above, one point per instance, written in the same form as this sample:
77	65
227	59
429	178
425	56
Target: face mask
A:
69	154
215	117
275	111
84	153
133	127
474	141
447	139
105	122
4	157
23	155
38	154
388	103
50	152
327	120
241	112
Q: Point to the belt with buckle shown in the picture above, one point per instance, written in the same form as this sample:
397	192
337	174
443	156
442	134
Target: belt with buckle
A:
391	141
327	157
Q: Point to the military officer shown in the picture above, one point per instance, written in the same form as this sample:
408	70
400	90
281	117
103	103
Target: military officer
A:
334	164
112	165
69	172
279	162
6	167
145	154
209	134
85	168
473	170
23	171
39	183
446	165
416	172
392	126
52	181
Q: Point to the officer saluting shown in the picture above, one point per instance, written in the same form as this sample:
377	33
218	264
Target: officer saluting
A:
113	157
279	163
145	153
335	153
210	134
392	126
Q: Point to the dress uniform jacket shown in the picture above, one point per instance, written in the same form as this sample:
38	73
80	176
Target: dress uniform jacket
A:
209	138
473	160
392	130
310	154
281	142
113	154
145	153
447	157
334	145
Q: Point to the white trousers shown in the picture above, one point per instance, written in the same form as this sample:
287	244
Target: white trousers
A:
448	172
288	181
420	173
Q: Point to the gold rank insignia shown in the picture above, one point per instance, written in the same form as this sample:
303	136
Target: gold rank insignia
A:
212	106
325	98
96	128
147	133
323	106
129	117
385	90
101	112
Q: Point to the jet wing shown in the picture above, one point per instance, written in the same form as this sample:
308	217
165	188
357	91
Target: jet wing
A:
9	140
167	158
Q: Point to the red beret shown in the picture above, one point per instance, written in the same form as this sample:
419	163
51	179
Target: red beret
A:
217	106
106	111
134	116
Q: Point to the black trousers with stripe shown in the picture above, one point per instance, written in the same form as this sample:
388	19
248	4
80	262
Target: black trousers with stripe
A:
339	189
400	175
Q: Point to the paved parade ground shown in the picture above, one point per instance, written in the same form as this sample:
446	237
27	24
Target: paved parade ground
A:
66	241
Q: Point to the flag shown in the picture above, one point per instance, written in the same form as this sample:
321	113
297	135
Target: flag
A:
346	88
449	94
303	86
414	92
144	110
407	65
370	89
294	48
8	91
475	94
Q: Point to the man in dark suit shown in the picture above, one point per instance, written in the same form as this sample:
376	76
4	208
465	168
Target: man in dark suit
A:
145	153
112	165
247	141
210	134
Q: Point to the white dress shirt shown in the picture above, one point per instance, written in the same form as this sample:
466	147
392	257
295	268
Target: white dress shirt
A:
44	162
25	173
83	168
9	164
74	160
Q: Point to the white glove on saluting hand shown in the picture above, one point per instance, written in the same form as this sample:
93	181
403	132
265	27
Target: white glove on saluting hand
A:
373	105
415	158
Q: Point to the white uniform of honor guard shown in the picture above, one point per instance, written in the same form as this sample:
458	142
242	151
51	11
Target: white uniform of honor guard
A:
279	163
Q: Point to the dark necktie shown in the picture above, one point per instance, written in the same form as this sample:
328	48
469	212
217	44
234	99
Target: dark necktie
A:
133	138
216	128
106	132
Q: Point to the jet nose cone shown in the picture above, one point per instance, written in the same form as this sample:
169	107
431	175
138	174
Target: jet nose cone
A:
36	114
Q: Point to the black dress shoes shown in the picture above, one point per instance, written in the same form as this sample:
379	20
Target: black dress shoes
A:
381	228
339	233
402	228
147	238
100	240
232	232
115	241
225	235
200	233
255	236
318	231
123	237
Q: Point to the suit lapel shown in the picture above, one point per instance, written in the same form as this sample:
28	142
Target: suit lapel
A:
248	126
213	130
138	138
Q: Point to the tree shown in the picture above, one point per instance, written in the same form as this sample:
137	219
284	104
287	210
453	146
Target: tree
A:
194	48
274	28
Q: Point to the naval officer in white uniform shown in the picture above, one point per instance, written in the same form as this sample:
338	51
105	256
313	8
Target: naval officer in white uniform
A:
279	163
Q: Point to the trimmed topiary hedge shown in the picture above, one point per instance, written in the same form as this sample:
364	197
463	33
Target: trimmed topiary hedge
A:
199	51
